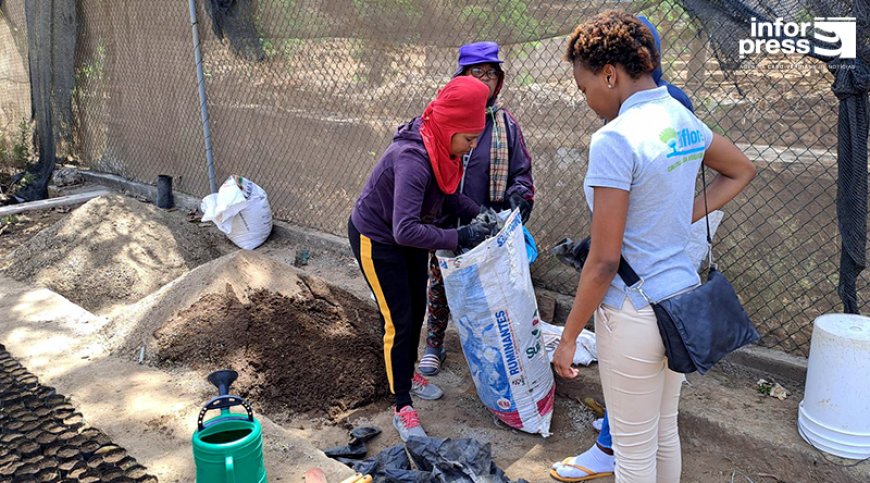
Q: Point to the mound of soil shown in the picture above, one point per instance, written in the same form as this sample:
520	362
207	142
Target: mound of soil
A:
318	352
132	326
111	251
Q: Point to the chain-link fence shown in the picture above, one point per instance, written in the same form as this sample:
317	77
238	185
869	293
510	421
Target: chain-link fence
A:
304	96
14	81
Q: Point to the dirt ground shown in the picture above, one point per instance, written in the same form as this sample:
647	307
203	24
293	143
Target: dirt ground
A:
460	414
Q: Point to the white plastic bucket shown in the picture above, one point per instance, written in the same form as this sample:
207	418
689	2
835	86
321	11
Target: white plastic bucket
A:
835	413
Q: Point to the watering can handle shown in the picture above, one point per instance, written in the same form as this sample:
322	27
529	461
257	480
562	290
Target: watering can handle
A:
231	472
223	402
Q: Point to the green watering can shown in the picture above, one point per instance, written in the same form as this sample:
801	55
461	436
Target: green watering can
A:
228	448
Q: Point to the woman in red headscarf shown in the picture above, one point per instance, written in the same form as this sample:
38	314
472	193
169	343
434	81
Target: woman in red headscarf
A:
391	229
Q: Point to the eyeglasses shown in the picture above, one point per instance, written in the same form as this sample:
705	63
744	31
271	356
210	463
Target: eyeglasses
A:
484	74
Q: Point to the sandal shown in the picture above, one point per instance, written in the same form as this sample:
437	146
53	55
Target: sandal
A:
430	363
589	474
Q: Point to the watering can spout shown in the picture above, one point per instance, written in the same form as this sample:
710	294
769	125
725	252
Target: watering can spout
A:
223	380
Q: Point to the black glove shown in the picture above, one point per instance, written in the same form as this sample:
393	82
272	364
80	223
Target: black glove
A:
473	234
572	253
525	206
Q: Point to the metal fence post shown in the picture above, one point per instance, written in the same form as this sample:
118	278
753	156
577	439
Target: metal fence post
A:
203	104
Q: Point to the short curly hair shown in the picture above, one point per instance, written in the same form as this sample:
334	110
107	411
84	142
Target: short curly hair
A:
613	37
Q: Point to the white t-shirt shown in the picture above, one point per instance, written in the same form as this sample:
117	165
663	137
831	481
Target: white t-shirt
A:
653	150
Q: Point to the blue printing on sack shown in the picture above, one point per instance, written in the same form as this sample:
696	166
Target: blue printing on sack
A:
485	363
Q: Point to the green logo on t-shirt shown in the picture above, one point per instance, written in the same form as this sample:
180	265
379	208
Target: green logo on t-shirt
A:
687	144
669	137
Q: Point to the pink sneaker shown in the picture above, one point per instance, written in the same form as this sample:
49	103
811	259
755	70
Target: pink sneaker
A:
407	423
423	389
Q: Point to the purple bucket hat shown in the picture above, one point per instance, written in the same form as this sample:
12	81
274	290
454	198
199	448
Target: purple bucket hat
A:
477	53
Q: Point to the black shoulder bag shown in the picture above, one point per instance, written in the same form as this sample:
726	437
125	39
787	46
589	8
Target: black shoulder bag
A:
698	327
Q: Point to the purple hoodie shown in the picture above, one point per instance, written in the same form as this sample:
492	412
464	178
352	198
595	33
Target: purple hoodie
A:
401	199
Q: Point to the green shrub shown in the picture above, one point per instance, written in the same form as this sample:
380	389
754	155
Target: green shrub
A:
15	154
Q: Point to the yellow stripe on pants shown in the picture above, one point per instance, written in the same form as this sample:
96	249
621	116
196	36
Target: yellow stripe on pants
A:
389	328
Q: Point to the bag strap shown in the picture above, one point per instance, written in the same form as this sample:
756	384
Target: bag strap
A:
707	217
630	277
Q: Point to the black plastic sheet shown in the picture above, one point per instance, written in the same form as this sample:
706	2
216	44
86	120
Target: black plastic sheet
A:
434	460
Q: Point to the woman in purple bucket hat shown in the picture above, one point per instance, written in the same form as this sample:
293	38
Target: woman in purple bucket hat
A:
498	174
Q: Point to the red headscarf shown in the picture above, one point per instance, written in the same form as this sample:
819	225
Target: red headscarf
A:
459	107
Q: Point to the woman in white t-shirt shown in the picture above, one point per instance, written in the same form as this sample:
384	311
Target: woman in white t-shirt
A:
640	186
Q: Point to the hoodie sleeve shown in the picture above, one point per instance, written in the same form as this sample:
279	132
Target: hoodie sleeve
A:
520	163
461	207
412	176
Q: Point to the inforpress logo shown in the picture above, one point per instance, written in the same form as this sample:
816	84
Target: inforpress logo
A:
833	31
824	36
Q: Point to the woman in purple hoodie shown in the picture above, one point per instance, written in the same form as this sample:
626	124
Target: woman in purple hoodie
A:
391	229
498	174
